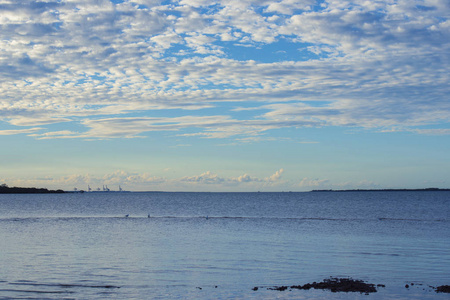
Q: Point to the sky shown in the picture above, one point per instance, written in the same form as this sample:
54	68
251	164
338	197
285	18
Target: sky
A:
231	95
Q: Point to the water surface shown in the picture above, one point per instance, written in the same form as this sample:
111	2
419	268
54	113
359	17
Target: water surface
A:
221	245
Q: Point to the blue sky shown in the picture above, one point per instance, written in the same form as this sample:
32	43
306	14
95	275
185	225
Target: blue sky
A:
236	95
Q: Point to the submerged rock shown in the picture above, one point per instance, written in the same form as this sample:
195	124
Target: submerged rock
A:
443	289
279	288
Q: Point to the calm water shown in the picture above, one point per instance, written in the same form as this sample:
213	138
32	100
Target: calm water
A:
80	246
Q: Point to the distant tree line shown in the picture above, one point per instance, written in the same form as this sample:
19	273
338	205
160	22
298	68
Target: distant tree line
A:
385	190
5	189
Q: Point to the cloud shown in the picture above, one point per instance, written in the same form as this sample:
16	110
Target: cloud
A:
213	127
435	131
211	178
82	181
98	64
275	177
147	181
55	134
288	7
35	120
325	184
205	178
121	177
313	183
20	131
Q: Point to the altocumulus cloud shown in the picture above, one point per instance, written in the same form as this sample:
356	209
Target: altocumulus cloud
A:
381	65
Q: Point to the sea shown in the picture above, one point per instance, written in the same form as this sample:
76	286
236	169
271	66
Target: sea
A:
157	245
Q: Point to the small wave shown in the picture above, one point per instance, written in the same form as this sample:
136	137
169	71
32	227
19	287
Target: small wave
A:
131	217
36	291
378	254
65	285
412	220
33	298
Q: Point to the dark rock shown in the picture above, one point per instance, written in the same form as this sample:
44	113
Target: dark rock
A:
339	285
443	289
279	288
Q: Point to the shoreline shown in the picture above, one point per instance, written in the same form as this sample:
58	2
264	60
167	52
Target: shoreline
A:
5	189
387	190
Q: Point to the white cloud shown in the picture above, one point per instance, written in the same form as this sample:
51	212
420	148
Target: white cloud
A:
288	7
146	181
377	64
55	134
434	131
35	120
19	131
326	184
275	177
205	178
211	178
313	183
129	180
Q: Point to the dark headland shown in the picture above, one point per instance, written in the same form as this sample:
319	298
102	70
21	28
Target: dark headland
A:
4	189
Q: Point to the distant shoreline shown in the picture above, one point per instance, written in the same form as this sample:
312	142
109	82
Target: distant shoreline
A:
387	190
4	189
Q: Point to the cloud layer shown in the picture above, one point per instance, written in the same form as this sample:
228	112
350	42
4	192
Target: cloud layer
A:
207	181
125	69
